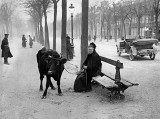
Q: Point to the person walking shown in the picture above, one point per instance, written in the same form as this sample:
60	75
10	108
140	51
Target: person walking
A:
30	41
94	38
6	53
69	49
24	40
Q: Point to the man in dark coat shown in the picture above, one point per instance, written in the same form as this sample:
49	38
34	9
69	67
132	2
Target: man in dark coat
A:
92	65
5	49
69	48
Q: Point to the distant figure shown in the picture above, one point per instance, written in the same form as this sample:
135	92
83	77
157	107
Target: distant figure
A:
89	38
30	41
24	40
94	38
69	48
5	49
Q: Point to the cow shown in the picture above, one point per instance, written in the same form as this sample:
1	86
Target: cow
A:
50	64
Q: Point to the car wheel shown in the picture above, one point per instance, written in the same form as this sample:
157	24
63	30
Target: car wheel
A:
118	52
152	56
131	56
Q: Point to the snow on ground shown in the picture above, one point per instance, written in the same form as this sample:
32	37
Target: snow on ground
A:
20	97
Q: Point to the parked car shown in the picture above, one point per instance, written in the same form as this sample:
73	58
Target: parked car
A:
137	47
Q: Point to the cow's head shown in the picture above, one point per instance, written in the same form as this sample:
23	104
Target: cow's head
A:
56	65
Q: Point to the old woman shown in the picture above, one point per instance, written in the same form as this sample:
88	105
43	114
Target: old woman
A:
92	67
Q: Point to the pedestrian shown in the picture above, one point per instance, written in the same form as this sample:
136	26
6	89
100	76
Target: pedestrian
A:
24	40
89	38
69	49
30	41
92	66
6	53
94	38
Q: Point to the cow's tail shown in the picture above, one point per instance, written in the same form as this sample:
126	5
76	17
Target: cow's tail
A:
38	56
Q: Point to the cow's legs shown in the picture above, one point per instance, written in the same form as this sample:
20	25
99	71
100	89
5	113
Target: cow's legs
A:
51	85
41	82
47	86
59	88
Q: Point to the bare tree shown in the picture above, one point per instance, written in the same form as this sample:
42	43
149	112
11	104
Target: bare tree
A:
130	15
54	23
156	9
6	12
138	9
115	17
84	37
106	18
64	26
123	12
35	21
93	20
35	10
45	4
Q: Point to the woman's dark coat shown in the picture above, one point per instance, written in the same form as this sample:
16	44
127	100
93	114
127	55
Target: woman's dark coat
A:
30	41
83	80
93	63
5	48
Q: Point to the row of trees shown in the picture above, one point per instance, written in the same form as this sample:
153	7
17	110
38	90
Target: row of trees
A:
10	20
108	17
7	10
37	9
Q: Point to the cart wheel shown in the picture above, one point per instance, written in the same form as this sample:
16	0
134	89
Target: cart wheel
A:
131	56
118	52
152	56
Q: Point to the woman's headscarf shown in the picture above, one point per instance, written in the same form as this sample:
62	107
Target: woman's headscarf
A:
92	45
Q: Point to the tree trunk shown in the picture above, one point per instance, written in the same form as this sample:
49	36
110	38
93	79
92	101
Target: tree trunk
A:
157	26
124	27
36	32
84	38
41	33
101	29
46	32
91	29
104	32
64	26
54	25
115	31
139	23
130	23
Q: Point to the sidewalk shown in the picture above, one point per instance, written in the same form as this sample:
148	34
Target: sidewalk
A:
20	97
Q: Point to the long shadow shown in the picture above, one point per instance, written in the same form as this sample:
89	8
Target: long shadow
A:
104	94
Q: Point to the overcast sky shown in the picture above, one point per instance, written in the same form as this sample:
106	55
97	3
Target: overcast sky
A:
76	3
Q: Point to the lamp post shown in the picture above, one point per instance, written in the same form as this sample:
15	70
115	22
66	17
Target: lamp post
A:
71	11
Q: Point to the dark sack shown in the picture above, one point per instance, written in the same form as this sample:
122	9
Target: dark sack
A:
80	82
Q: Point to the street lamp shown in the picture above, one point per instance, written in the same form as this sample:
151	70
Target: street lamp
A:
71	11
